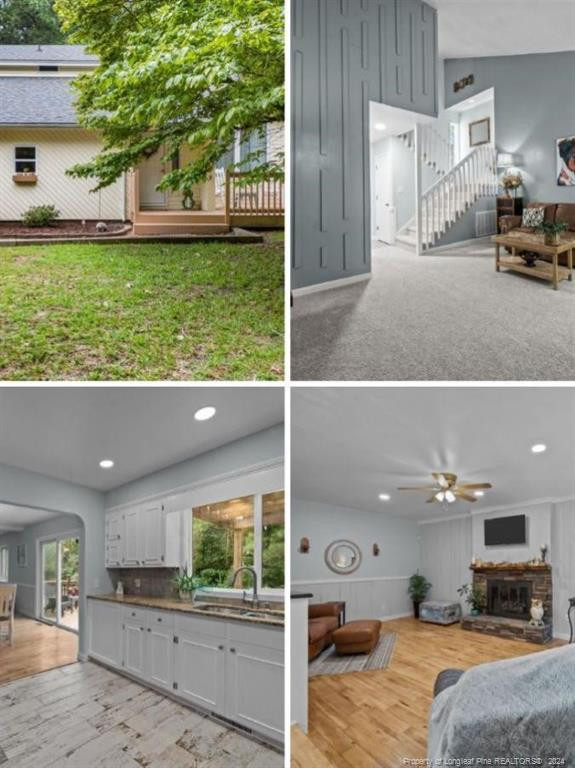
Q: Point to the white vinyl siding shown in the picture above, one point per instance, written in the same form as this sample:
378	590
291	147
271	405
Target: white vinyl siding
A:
56	150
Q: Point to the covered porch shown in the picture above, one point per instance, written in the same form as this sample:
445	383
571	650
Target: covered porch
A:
214	207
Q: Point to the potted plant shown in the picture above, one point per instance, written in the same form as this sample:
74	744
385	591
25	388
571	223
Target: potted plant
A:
552	231
512	181
186	585
473	596
418	589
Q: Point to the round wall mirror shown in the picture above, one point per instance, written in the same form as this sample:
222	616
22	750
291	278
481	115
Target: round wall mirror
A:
343	556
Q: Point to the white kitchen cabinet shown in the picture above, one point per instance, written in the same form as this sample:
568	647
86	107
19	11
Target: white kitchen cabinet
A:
134	643
105	632
200	669
143	536
159	651
152	535
132	537
225	667
114	543
255	679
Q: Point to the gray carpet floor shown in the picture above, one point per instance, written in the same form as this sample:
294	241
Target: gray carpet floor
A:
441	317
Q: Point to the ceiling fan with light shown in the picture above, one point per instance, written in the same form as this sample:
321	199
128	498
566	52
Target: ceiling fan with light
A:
447	490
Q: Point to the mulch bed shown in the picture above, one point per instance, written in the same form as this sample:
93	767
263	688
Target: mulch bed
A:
62	229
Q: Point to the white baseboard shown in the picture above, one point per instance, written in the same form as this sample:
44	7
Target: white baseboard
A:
450	246
396	616
327	285
561	636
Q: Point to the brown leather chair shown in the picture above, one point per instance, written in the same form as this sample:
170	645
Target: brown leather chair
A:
323	620
553	212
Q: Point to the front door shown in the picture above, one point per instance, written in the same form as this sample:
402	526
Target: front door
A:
151	173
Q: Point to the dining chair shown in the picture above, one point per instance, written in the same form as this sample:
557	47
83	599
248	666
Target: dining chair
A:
7	605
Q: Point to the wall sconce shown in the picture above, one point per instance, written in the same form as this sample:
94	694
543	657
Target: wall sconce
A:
304	545
375	550
463	83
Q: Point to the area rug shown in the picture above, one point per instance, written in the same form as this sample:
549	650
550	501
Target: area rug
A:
328	663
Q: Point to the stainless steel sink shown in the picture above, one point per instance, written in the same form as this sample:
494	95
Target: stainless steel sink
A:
233	610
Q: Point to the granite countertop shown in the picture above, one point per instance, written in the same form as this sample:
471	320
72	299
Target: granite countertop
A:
216	610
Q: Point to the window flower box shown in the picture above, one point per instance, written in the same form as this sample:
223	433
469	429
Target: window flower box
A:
25	178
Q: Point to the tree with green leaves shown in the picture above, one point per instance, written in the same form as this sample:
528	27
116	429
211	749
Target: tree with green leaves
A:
177	72
29	22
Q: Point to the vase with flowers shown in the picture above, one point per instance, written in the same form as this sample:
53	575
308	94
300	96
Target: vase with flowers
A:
512	182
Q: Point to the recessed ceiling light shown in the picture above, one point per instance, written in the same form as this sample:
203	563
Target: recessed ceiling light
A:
538	448
106	463
384	497
203	414
380	126
479	494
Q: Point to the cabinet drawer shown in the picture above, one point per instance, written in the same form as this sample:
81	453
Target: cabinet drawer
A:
257	634
134	614
206	626
160	619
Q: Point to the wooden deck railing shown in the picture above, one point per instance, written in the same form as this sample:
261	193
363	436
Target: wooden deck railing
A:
263	198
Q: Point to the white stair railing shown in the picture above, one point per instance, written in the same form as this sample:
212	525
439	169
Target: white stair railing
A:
436	151
454	193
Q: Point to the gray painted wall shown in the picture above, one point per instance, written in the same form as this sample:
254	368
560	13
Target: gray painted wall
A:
29	489
251	450
344	54
323	523
534	106
27	576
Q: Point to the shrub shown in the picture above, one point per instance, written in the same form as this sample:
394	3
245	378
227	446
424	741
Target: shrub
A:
40	216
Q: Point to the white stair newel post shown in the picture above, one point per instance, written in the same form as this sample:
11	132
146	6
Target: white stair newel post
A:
418	188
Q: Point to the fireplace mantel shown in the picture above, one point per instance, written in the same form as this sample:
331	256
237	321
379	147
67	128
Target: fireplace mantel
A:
490	567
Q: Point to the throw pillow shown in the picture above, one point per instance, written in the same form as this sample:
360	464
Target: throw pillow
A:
533	217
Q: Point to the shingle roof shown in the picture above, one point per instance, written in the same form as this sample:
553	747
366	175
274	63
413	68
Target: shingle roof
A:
51	53
36	101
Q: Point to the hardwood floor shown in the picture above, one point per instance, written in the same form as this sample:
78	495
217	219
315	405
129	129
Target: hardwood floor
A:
378	719
85	716
36	647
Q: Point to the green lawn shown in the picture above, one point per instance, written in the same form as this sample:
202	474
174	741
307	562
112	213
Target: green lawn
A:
142	311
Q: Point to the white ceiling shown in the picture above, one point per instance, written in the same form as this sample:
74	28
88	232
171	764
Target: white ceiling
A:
64	432
351	444
16	518
396	121
469	28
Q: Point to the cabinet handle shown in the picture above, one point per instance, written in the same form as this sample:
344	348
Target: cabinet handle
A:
220	647
133	614
232	650
149	630
159	619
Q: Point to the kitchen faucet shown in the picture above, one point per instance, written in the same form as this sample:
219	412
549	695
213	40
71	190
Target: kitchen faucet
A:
255	599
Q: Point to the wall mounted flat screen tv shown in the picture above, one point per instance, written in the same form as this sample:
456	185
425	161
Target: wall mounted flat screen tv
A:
505	530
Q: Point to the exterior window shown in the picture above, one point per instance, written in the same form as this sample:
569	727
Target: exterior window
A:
256	141
48	68
176	165
25	159
273	540
4	563
246	531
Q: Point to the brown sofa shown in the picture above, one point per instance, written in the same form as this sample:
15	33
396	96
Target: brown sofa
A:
323	620
553	212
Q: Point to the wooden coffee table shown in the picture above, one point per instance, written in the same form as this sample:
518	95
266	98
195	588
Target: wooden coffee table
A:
522	241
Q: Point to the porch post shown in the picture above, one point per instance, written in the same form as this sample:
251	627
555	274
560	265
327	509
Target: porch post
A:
135	194
228	197
418	189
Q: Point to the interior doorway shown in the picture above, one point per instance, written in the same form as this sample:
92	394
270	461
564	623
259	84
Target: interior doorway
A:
60	581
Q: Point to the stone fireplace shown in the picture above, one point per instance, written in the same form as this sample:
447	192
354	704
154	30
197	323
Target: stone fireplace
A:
508	589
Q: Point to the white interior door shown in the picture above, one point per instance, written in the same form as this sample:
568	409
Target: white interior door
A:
151	173
382	197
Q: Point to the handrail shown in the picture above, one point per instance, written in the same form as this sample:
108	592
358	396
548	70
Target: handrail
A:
441	205
261	198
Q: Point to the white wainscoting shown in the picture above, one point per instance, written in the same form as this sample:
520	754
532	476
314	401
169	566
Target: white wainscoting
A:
562	557
379	598
26	600
445	557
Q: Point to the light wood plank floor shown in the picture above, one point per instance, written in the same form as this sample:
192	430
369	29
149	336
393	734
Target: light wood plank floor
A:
85	716
377	719
36	647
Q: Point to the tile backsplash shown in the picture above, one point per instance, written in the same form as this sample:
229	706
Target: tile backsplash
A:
153	582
